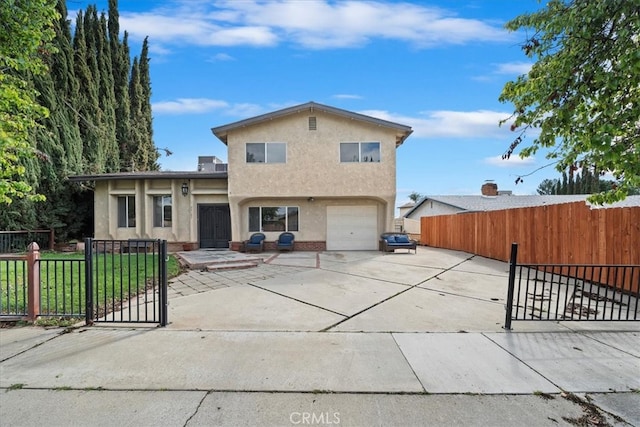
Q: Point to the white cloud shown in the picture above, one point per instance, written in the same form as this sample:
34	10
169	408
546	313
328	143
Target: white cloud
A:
513	161
158	49
347	96
206	105
451	124
188	106
320	24
245	110
221	57
513	68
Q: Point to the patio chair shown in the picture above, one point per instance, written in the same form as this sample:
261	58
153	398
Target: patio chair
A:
255	243
285	242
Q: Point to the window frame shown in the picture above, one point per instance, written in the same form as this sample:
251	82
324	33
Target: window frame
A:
128	220
161	214
360	156
265	152
289	211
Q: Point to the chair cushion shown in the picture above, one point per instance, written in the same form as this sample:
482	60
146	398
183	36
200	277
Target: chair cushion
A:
286	239
255	239
402	239
390	239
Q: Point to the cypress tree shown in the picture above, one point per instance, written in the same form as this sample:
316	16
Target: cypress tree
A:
587	179
577	185
595	181
136	116
62	70
88	105
121	64
107	96
571	184
147	154
90	129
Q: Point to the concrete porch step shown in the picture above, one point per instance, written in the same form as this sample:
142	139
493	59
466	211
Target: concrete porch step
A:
234	265
217	260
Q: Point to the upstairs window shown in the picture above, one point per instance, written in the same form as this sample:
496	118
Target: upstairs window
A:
281	218
360	152
126	211
162	211
266	152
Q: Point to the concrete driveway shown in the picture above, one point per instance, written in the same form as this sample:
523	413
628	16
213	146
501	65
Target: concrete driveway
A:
348	338
434	290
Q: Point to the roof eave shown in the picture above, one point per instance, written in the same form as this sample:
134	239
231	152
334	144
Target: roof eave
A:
221	132
118	176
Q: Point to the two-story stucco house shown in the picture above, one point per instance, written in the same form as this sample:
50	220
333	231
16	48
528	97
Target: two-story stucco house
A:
325	174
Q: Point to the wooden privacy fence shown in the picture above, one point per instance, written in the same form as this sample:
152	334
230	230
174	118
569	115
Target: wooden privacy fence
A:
569	233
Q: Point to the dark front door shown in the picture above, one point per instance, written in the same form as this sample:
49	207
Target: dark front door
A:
214	226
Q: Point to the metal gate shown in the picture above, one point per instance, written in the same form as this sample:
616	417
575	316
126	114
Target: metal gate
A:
126	281
116	281
563	292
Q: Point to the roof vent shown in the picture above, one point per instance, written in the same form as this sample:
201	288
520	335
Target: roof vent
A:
312	123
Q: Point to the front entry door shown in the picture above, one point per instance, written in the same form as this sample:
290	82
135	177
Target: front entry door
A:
214	226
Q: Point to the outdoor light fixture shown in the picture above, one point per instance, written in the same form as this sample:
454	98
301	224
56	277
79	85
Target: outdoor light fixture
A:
310	199
185	188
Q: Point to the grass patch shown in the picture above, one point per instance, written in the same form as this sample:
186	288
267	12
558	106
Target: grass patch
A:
18	386
116	276
57	321
543	395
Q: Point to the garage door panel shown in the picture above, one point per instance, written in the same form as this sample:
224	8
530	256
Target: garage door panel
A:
352	227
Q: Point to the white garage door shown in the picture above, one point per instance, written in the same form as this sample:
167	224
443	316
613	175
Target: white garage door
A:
352	228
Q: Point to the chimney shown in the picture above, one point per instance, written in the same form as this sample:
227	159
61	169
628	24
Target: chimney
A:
489	188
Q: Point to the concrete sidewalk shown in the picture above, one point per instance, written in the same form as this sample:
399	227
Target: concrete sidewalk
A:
328	339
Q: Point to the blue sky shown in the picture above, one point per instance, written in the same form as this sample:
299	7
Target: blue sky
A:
437	66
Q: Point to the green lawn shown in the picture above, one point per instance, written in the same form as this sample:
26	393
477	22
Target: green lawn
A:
117	277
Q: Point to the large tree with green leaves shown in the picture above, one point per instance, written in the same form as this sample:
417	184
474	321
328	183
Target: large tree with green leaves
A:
415	196
583	92
79	111
25	35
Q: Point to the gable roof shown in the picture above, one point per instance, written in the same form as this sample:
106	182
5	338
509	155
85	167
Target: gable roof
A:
402	133
500	202
407	205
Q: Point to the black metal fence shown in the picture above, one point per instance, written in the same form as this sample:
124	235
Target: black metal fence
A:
17	241
128	281
62	287
13	286
562	292
117	281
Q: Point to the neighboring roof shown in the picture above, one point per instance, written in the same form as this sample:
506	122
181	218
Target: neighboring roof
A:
222	131
494	203
628	202
149	175
407	205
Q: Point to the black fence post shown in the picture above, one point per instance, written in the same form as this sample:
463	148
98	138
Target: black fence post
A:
88	279
52	239
164	301
512	283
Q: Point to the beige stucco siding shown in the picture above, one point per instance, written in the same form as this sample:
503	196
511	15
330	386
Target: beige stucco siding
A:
313	164
312	169
312	219
184	215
